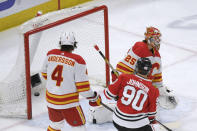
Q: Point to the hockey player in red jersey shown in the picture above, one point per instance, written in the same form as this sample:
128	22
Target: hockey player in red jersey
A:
136	104
67	77
148	48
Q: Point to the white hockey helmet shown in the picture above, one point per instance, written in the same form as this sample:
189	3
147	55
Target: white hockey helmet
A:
68	38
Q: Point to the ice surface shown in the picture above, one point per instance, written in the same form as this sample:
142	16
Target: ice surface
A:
176	19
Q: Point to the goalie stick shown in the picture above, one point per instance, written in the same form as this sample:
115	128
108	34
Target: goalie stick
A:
106	60
116	73
168	129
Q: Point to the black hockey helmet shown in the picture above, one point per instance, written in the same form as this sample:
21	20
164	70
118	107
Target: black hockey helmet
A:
143	66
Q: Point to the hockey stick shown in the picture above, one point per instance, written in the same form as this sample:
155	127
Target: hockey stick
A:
168	129
110	109
106	60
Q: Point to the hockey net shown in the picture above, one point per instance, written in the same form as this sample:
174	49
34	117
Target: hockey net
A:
41	34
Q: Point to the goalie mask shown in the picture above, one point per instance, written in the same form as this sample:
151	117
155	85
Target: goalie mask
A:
152	36
143	66
68	38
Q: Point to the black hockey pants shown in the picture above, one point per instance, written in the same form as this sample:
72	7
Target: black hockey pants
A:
144	128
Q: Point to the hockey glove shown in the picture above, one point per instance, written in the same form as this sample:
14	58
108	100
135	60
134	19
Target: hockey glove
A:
173	100
167	99
165	91
95	100
114	77
152	120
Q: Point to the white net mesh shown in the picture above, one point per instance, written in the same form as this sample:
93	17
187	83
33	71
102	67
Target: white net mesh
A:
12	89
89	30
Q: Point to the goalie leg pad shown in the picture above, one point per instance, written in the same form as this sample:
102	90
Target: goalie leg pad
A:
100	114
167	102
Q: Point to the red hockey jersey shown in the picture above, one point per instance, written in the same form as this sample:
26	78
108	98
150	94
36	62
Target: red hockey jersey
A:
136	100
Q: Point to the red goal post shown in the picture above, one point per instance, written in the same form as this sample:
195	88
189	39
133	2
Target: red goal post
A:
41	34
51	25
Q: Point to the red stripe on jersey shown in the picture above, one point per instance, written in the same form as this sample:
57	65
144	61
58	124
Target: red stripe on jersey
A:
157	78
104	91
82	86
124	68
44	75
62	99
51	129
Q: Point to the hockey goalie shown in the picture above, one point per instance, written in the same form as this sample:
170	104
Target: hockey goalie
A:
148	48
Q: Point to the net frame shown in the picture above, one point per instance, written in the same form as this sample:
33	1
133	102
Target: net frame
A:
51	25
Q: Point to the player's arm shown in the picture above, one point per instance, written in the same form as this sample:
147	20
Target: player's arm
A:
157	79
83	85
127	65
112	91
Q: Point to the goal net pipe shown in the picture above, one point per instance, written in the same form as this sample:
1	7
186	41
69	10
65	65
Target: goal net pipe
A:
48	26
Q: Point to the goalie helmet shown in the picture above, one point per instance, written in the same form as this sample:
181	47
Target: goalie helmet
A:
68	38
143	66
152	36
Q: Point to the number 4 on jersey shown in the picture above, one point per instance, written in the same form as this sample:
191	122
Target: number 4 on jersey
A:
57	75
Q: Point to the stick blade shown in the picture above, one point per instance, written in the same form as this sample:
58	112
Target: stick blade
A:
172	125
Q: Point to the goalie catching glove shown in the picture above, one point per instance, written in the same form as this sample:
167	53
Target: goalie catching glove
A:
166	99
95	100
